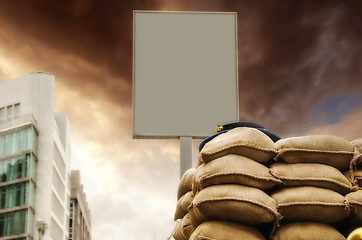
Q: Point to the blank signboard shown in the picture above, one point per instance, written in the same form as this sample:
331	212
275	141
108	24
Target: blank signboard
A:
185	79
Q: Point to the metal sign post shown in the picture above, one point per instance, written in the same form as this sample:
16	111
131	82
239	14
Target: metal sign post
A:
185	154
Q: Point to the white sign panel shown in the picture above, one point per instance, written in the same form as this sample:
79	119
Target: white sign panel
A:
185	79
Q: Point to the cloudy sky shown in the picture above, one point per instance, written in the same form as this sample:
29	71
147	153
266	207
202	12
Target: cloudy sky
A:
300	73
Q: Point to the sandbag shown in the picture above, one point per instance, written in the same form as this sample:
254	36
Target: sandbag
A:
184	229
324	149
307	231
355	201
310	204
357	143
223	230
248	142
354	177
233	168
311	174
186	182
234	203
182	204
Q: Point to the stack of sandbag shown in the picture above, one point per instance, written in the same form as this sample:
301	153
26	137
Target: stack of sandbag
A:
245	182
185	197
229	186
312	195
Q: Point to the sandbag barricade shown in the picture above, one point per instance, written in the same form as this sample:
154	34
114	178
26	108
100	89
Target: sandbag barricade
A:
299	184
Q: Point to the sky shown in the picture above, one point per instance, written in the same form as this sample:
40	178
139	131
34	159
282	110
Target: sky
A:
300	73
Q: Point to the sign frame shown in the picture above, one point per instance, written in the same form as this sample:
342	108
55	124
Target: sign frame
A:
140	132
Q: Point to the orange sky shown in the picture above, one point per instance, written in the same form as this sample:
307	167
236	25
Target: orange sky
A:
300	72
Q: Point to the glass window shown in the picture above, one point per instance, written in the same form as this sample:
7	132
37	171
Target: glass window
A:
14	195
15	168
17	141
13	223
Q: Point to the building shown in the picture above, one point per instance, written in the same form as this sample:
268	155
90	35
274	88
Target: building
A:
80	220
34	161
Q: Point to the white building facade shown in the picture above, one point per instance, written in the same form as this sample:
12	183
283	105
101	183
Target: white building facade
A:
80	219
34	160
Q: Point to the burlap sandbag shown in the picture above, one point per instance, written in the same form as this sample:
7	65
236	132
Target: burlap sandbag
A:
184	229
223	230
355	174
357	143
307	231
355	201
248	142
354	177
182	204
234	203
310	204
186	182
311	174
324	149
233	168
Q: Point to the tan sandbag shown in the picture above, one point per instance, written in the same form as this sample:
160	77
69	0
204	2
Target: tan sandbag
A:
248	142
233	168
357	143
186	182
311	174
234	203
310	204
355	174
354	177
355	201
184	229
324	149
307	231
182	204
223	230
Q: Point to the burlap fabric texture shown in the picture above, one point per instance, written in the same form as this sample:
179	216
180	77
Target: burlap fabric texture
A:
311	174
324	149
184	229
308	203
186	182
307	231
236	169
248	142
233	202
355	174
355	201
182	204
224	230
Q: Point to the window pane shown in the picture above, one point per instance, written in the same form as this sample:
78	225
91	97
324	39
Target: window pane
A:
15	168
13	223
14	195
17	141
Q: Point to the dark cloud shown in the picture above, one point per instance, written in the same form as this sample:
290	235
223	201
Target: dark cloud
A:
99	32
299	46
292	54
